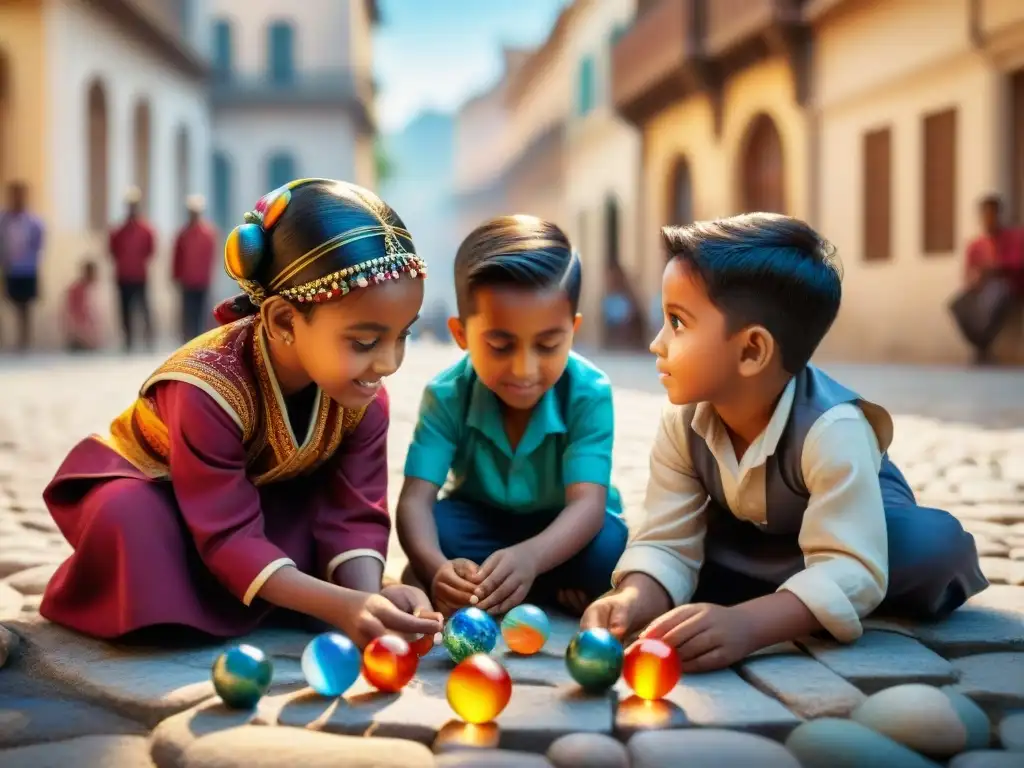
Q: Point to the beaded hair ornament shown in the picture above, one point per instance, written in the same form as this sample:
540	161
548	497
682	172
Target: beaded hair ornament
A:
260	222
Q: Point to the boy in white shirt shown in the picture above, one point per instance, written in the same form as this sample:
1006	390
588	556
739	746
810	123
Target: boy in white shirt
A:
772	509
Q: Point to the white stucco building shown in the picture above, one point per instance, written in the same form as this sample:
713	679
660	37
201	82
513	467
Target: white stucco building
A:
291	92
96	97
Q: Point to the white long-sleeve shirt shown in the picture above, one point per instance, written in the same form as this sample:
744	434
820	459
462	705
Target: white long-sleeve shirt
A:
843	534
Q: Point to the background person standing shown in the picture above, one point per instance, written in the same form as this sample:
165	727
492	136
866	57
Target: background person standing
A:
21	246
194	252
131	247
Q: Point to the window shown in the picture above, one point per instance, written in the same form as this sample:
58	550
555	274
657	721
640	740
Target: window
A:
222	48
281	52
280	170
222	204
586	87
681	206
939	182
877	195
611	232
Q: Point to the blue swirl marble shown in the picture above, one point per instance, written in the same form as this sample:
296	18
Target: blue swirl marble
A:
469	631
330	664
241	675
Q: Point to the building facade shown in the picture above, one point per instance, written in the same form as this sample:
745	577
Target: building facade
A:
217	97
96	97
602	156
904	152
292	94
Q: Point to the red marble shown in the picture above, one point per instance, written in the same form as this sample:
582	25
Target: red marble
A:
651	668
389	663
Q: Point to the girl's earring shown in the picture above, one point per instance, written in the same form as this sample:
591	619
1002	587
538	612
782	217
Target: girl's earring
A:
288	339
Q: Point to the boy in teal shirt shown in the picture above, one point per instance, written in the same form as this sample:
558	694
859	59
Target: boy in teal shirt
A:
526	429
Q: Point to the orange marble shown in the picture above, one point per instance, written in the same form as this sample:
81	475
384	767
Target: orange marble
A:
479	688
651	668
389	663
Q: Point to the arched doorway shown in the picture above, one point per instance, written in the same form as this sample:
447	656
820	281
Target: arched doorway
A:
5	118
143	135
622	323
97	185
762	168
182	158
681	194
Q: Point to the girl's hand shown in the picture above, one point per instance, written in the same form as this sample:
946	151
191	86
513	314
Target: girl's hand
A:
364	616
411	600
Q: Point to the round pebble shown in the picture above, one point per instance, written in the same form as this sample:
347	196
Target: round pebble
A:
986	758
1011	732
833	743
593	750
926	719
707	748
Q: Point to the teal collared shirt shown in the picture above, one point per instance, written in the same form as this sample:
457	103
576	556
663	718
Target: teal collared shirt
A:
568	440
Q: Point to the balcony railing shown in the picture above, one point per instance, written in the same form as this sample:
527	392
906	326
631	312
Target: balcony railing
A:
658	59
731	24
319	87
158	24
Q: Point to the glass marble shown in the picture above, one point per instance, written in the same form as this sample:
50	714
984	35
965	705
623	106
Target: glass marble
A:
389	663
241	675
330	664
469	631
652	668
594	659
479	688
525	629
422	645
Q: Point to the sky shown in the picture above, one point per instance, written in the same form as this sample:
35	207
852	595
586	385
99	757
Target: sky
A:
435	54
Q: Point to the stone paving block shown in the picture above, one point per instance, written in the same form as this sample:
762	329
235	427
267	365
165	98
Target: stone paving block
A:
990	621
881	659
1011	732
993	680
536	716
986	758
806	686
11	602
707	748
83	752
172	737
719	699
32	581
250	746
491	758
34	711
144	684
588	750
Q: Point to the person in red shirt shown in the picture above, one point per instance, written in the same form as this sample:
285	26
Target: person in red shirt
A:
194	251
998	253
81	330
132	246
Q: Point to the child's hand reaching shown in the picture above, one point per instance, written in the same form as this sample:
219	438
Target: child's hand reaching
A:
615	612
453	585
706	636
411	600
363	616
506	577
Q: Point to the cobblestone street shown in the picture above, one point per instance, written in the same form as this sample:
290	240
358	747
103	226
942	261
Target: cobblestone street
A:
65	700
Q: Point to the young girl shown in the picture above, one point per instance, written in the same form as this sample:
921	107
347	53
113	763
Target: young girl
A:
251	472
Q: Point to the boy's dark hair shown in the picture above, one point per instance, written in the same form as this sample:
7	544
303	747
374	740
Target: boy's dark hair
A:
521	251
766	269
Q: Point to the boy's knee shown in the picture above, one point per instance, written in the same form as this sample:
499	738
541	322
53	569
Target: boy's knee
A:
944	546
605	549
126	504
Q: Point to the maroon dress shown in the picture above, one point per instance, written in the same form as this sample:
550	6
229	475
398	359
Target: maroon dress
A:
191	505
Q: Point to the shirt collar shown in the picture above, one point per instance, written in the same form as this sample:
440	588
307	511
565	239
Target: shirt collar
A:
712	431
485	416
